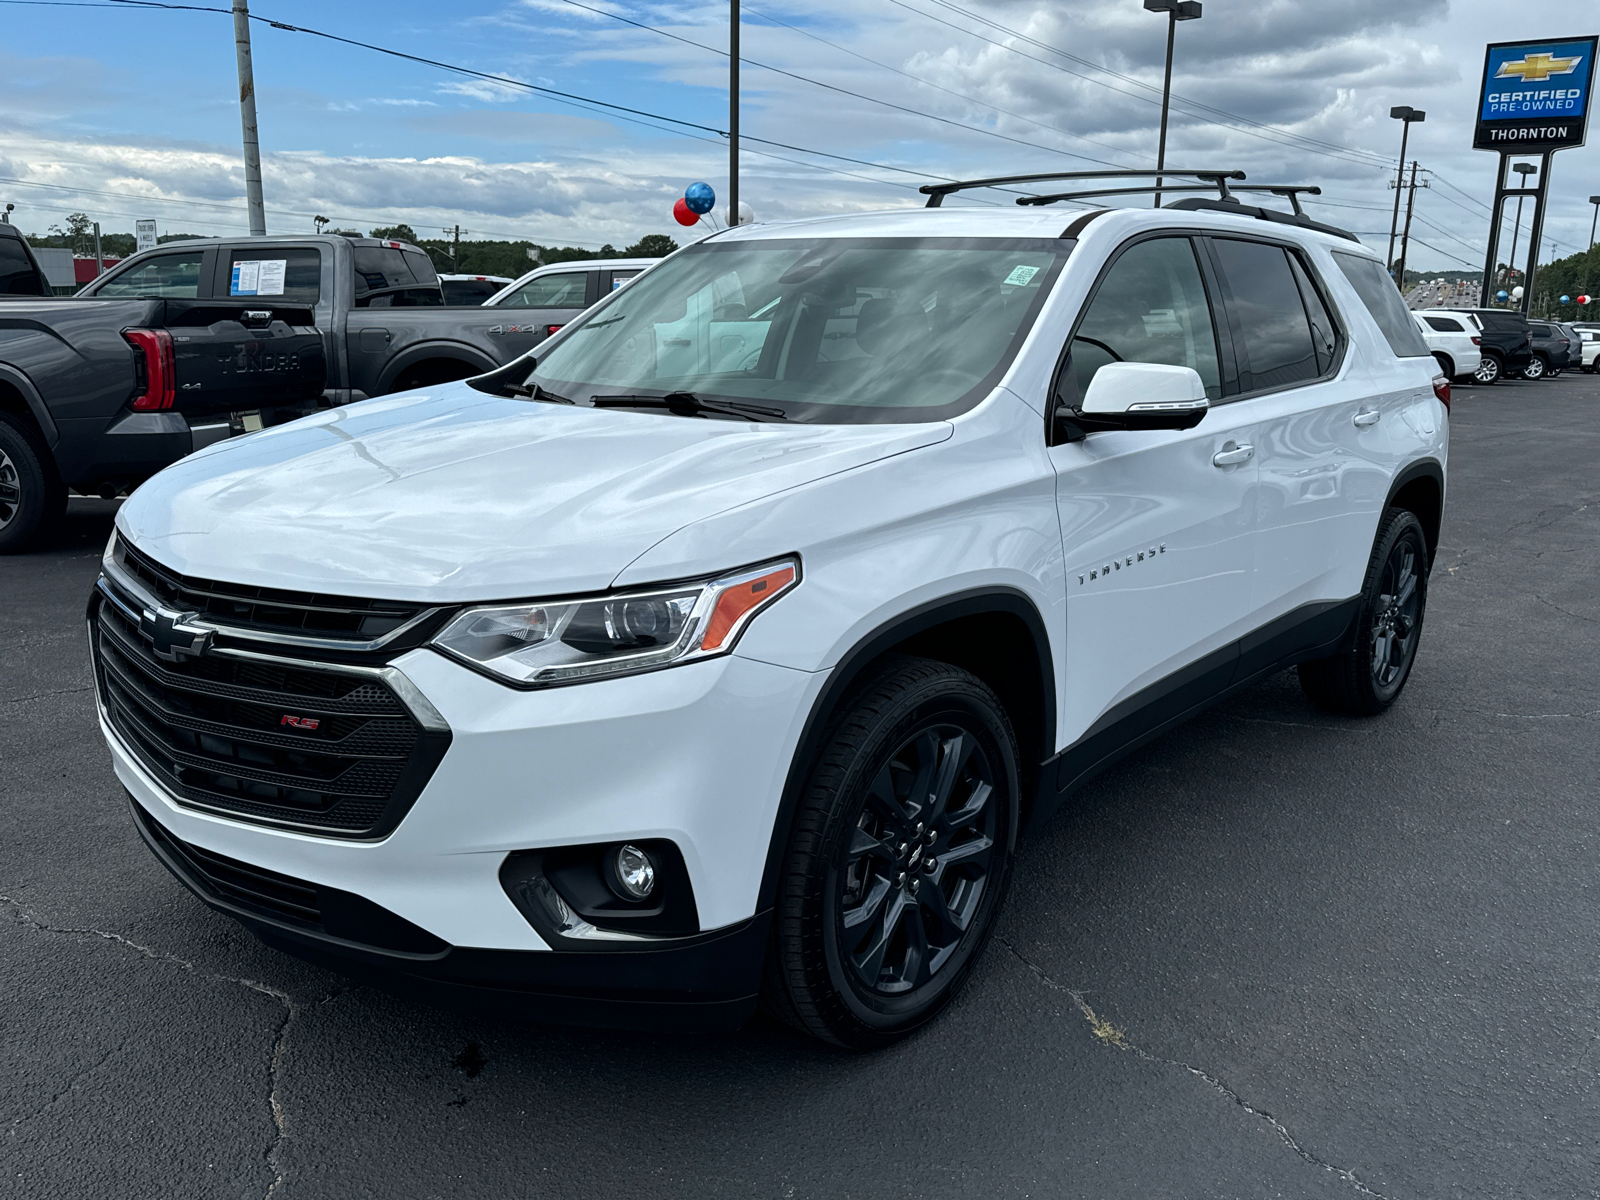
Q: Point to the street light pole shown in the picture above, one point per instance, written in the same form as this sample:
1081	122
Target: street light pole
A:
1176	10
1594	200
1405	114
1523	169
733	112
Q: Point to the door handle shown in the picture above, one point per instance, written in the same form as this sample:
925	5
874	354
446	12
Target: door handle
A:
1368	416
1232	454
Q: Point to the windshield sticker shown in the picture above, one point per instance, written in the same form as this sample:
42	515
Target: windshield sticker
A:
1020	276
258	277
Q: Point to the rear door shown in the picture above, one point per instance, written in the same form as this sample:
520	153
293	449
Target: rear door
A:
541	306
181	273
1157	526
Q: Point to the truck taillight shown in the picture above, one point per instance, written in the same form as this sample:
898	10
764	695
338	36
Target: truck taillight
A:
158	376
1441	389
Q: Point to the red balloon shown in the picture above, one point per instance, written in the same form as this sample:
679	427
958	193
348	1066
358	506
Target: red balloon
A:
683	214
1583	299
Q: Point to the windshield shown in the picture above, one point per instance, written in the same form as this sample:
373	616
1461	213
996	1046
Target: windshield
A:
845	331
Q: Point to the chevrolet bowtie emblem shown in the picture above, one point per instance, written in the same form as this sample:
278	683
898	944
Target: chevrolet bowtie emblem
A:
170	635
1536	68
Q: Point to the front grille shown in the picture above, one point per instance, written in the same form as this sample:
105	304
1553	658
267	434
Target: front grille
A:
268	610
301	745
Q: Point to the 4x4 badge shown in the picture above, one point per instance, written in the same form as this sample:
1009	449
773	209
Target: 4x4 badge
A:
170	635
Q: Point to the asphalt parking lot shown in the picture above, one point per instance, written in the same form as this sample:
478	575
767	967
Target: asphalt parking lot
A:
1275	954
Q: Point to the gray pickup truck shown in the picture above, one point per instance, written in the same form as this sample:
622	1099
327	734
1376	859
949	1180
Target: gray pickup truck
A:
377	302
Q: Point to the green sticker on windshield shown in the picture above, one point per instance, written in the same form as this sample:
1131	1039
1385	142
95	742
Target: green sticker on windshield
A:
1020	276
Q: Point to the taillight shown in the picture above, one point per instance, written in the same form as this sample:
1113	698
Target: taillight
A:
550	329
1477	341
158	385
1441	389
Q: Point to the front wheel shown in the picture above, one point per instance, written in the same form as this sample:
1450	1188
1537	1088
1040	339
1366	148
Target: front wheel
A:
899	858
1488	369
1367	678
1535	369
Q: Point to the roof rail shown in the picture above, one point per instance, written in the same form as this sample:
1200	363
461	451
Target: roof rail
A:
936	192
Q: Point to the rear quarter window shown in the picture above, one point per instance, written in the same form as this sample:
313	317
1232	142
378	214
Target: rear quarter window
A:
1382	300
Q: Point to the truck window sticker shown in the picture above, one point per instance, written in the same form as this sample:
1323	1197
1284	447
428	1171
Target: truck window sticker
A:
258	277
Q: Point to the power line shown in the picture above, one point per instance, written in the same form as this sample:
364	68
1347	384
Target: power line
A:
841	90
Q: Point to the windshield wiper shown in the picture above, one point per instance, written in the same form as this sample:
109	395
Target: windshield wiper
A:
687	404
534	392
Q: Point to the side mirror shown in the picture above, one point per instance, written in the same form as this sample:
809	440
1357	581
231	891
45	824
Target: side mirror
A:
1136	387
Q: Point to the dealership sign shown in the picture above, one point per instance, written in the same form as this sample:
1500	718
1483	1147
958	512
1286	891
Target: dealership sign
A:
1535	95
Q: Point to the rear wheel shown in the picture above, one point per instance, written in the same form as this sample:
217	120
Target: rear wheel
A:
1535	369
1445	365
1489	369
1369	676
899	858
32	496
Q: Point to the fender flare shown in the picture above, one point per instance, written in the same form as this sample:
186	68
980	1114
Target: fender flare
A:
469	356
35	403
1429	468
976	602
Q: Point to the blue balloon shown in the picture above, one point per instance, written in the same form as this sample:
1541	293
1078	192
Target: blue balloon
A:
700	198
1566	299
1501	294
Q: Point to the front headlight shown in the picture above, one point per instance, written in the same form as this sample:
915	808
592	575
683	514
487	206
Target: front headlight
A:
566	641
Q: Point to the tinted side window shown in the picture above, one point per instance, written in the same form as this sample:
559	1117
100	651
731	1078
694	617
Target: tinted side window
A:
1324	333
174	275
566	290
1274	332
1540	331
292	275
17	276
1382	298
1151	307
1445	324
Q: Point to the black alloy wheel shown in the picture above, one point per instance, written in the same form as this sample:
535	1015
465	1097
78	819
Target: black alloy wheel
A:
899	858
32	497
1368	675
1489	369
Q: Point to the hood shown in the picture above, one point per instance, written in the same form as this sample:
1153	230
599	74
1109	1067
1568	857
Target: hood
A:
450	495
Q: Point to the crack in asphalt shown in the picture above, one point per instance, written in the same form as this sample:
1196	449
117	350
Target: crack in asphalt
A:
1565	611
42	695
1112	1036
291	1009
72	1082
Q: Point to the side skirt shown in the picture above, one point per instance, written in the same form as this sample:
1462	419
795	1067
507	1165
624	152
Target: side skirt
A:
1309	632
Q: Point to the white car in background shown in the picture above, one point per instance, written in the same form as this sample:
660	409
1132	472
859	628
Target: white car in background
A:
471	289
1591	347
547	297
1453	339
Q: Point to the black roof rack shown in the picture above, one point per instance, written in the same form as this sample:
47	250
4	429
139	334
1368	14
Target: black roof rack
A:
1226	201
936	192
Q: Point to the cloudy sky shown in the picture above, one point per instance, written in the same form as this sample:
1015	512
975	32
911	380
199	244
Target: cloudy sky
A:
124	112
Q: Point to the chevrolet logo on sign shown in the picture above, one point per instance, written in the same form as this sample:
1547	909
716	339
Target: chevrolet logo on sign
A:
1536	68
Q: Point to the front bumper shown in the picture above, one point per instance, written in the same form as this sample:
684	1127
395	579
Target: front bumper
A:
696	754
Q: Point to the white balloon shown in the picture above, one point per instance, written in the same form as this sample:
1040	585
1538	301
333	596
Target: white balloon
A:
747	215
1516	293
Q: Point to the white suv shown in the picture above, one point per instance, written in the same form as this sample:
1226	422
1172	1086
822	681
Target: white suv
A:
722	654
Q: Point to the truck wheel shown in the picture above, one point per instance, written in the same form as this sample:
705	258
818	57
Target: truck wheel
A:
899	857
1489	369
1368	677
32	496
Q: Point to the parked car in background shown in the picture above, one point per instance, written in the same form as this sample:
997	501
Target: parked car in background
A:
1453	338
377	302
471	289
1550	350
20	272
1574	345
1505	343
1589	340
546	298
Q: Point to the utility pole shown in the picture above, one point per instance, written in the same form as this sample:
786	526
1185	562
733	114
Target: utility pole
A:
247	119
99	263
1176	10
455	250
1594	200
1405	237
733	112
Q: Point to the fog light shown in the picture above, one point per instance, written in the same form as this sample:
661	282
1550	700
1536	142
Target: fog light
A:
635	873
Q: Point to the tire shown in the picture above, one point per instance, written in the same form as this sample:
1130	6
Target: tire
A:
869	943
1445	365
1489	369
1536	369
1368	677
32	496
431	373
